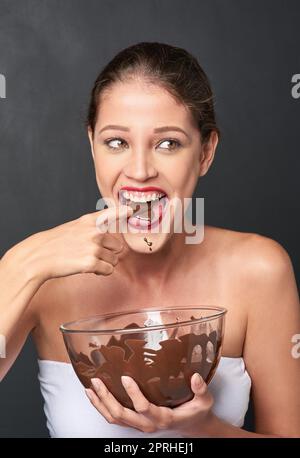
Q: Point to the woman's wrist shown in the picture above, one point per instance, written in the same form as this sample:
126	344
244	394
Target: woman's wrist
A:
214	427
20	265
205	428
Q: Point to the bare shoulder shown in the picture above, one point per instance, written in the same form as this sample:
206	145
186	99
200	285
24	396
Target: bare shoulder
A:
256	269
252	254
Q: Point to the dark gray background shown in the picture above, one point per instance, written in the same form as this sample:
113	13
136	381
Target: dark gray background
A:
51	52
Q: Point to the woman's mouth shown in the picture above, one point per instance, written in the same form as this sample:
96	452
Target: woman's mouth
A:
148	207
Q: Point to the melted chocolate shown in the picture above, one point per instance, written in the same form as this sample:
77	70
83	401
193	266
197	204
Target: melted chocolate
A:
135	208
144	208
148	243
163	375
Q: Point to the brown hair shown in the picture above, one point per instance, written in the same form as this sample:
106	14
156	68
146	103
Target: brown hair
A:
170	67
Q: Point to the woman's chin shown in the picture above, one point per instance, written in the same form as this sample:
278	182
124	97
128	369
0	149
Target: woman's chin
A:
145	241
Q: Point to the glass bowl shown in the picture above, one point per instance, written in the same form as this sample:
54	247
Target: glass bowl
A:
159	348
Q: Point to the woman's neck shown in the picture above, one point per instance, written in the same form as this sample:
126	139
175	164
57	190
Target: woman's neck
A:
149	267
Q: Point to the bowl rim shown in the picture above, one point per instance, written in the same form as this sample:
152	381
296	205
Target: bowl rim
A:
65	327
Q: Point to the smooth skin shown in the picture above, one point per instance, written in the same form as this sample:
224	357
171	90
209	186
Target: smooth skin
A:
59	275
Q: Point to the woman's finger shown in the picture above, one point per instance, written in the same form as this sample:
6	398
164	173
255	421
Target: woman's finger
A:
161	417
110	216
197	407
107	255
118	412
112	243
198	385
94	399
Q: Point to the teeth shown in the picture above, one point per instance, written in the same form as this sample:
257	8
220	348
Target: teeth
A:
140	196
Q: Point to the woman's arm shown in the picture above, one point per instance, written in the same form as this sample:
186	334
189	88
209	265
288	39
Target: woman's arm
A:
18	284
268	290
74	247
273	320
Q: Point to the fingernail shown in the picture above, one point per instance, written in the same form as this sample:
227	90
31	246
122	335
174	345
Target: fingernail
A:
89	394
96	384
198	380
126	381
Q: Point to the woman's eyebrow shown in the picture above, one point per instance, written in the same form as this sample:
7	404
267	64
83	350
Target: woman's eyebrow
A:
114	126
170	128
157	130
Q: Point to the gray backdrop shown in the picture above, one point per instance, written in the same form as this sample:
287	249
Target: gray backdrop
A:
51	52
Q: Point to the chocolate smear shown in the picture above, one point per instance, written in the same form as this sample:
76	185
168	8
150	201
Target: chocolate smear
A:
163	374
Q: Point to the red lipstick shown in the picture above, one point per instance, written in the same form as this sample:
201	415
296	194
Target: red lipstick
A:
145	189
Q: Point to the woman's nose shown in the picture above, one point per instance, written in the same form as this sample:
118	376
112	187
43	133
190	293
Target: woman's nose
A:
140	167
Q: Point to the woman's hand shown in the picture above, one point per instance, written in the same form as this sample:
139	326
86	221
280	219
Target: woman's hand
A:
189	419
78	246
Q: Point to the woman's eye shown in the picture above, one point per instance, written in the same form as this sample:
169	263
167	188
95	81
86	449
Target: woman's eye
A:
112	143
175	143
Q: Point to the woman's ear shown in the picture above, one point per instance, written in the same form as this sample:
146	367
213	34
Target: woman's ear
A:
208	153
90	135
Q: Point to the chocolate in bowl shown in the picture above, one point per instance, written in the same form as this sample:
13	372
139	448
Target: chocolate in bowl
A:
159	348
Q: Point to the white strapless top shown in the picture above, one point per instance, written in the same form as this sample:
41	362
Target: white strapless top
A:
69	413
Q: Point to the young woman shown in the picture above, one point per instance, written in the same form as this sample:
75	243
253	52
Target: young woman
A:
151	123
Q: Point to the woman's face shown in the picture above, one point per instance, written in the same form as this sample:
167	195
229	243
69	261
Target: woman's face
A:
144	138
